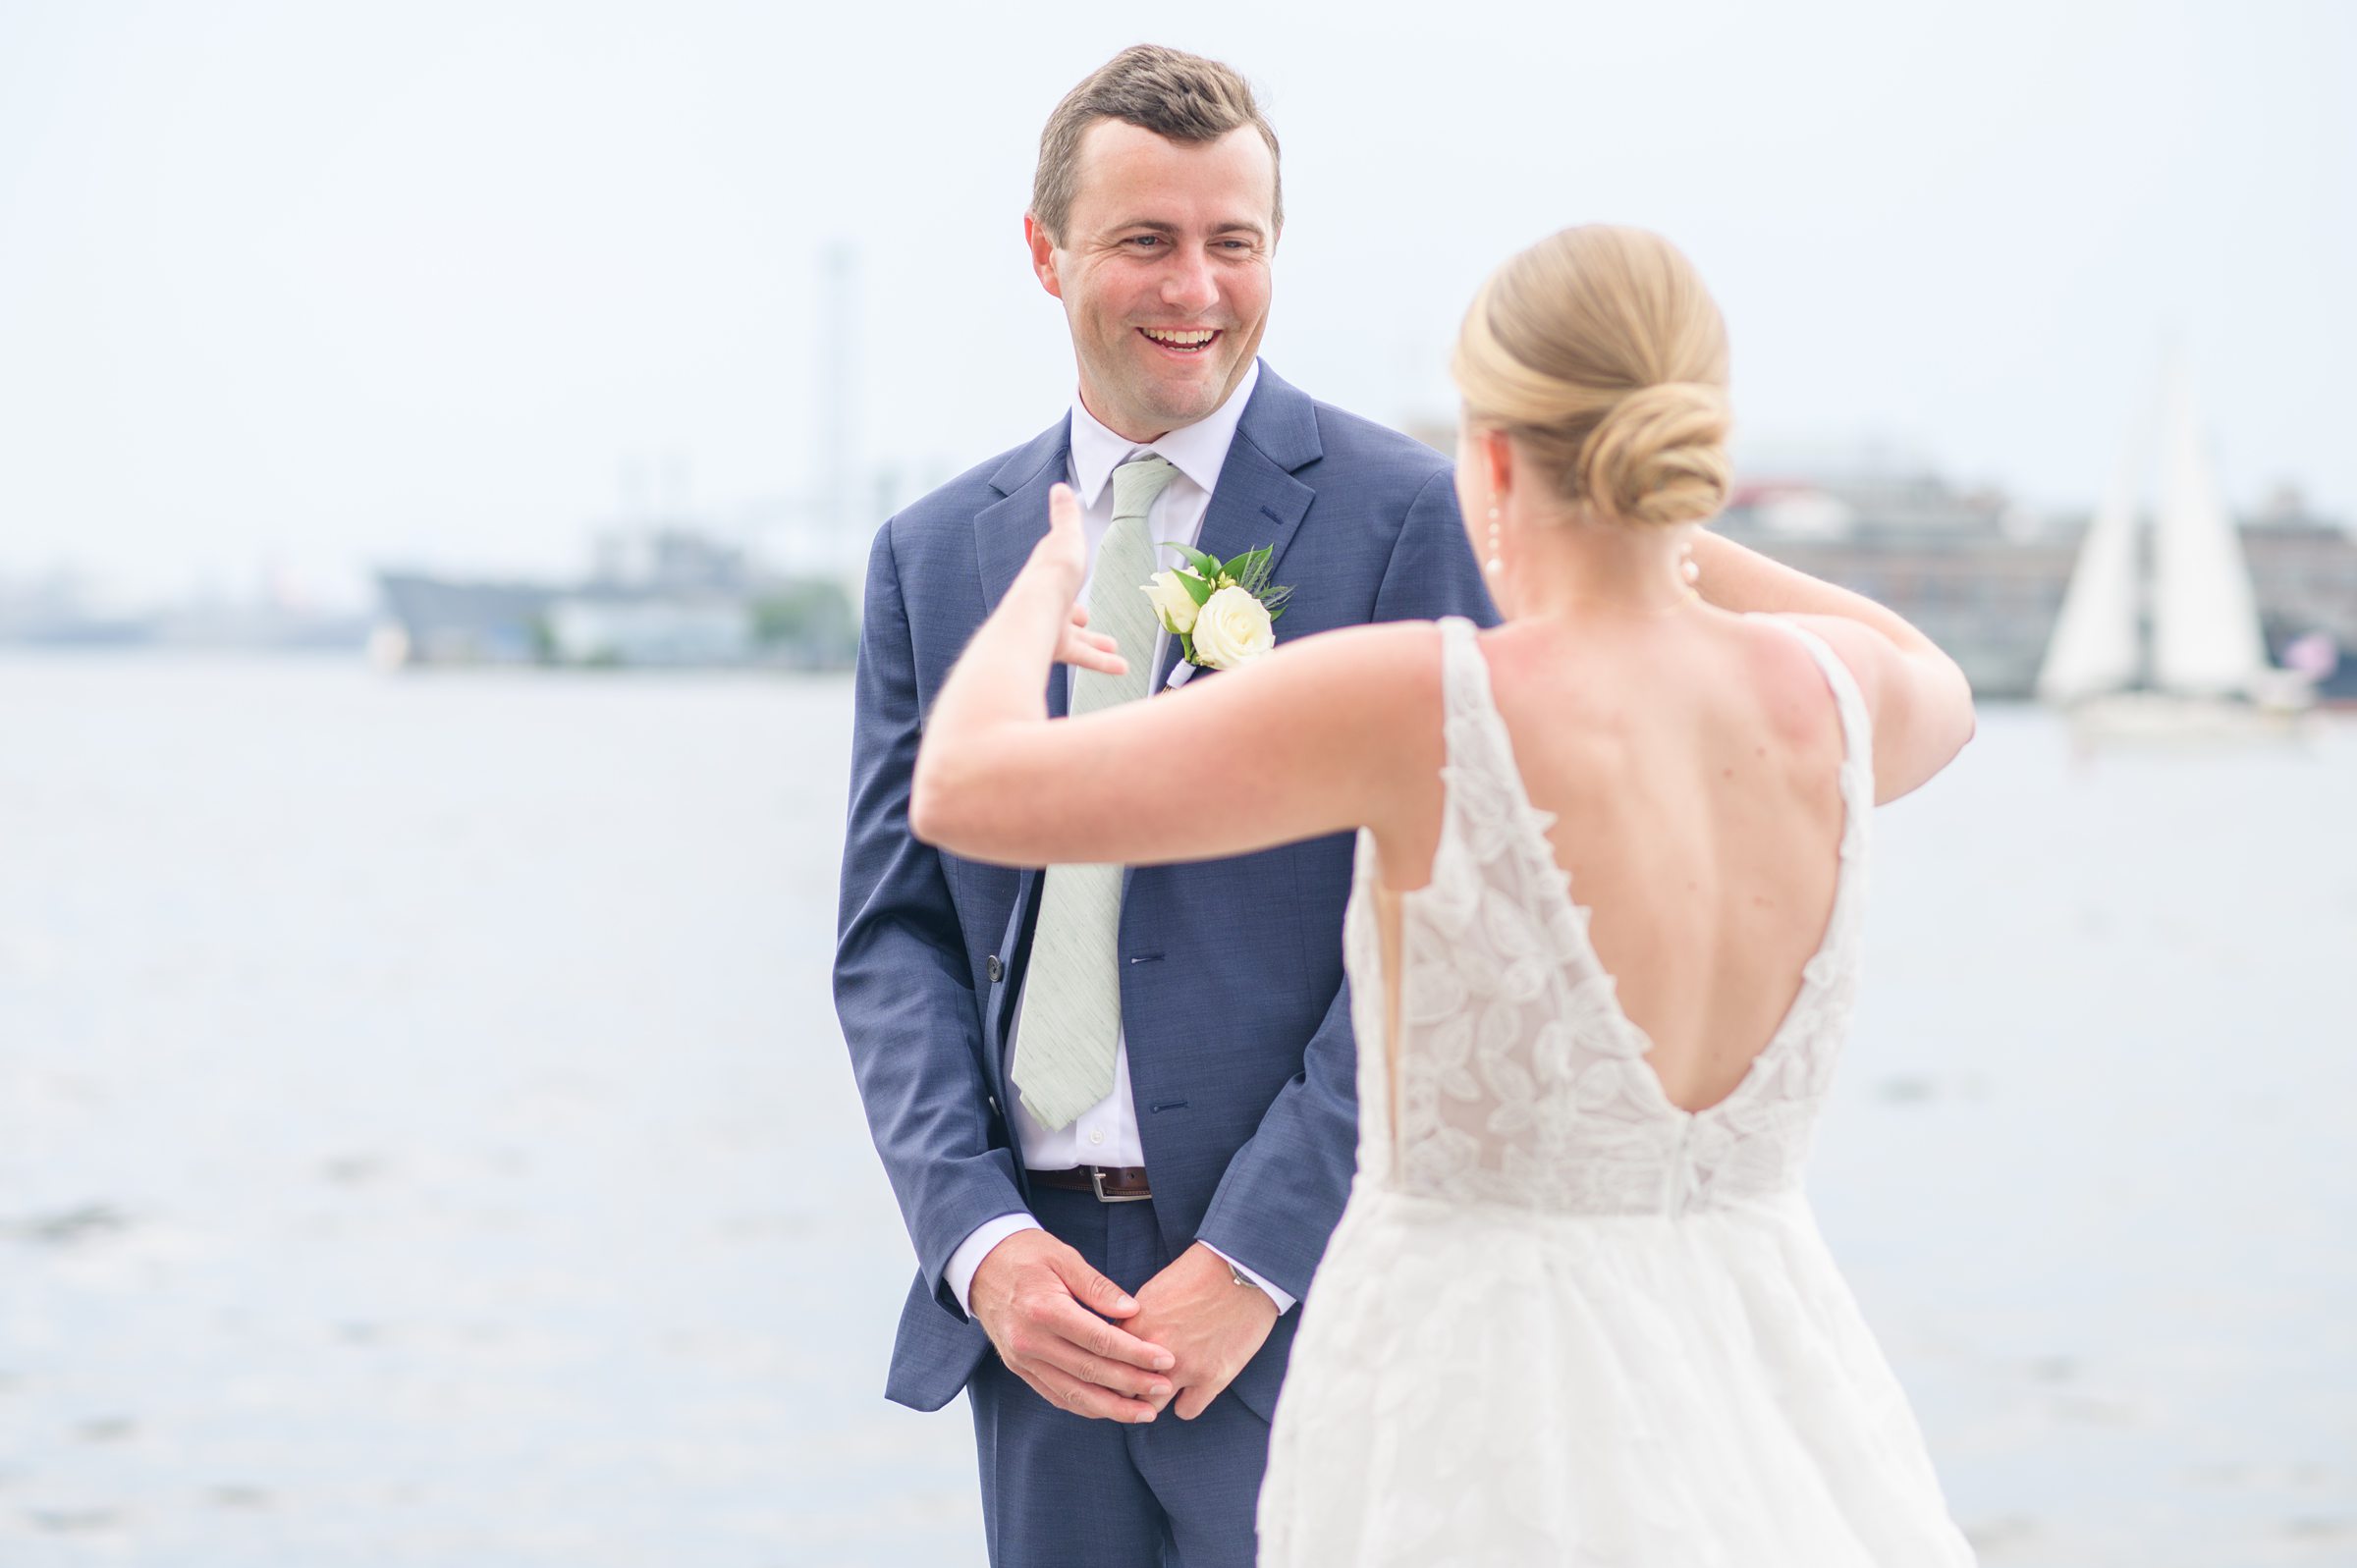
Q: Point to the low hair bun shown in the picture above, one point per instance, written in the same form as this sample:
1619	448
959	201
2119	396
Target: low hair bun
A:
1600	352
1658	457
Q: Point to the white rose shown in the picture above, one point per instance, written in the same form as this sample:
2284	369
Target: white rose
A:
1231	629
1172	604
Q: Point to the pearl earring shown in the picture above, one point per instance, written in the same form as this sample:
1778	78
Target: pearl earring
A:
1686	567
1496	565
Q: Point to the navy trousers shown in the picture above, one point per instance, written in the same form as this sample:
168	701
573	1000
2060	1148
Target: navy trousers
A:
1059	1491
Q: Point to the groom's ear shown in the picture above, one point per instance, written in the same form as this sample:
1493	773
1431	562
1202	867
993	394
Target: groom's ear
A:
1043	254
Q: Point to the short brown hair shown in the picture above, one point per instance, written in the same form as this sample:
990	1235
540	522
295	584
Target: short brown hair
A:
1179	96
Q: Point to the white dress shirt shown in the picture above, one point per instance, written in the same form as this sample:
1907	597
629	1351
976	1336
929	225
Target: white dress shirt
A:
1106	1134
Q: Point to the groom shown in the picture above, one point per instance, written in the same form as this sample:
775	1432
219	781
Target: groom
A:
1118	1107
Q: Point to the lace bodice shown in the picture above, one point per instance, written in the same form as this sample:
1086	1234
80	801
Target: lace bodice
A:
1522	1080
1564	1320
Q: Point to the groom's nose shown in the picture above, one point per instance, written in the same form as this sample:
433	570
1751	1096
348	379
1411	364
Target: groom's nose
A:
1188	284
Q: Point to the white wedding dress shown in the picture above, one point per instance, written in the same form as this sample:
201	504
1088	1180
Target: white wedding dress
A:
1562	1321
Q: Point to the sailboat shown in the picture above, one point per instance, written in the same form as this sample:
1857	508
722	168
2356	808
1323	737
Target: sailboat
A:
2158	634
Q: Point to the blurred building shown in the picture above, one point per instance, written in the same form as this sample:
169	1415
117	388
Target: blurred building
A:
1976	572
61	609
2304	567
669	597
1984	579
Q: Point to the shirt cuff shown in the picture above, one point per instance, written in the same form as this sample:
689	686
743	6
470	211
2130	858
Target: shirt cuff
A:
1284	1303
958	1272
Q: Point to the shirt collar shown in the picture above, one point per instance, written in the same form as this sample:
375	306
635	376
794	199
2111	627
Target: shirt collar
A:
1199	451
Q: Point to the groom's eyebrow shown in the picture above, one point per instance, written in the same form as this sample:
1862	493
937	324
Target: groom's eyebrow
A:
1157	226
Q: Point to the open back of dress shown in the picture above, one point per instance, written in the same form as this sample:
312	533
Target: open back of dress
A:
1564	1320
1519	1078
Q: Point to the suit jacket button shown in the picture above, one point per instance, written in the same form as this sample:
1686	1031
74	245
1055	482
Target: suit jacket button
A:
998	970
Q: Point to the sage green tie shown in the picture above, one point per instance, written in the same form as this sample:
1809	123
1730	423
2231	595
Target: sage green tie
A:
1072	994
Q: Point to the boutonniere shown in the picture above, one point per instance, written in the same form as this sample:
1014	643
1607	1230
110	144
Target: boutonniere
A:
1224	615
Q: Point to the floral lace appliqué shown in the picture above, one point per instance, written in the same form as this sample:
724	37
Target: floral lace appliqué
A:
1522	1080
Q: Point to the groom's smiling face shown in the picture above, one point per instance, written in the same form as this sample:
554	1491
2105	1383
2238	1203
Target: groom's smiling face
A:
1163	268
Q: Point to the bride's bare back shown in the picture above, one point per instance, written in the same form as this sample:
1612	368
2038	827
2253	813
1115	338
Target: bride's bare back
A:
1690	763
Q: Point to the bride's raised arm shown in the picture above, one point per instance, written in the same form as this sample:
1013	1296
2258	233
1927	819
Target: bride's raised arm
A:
1920	700
1303	741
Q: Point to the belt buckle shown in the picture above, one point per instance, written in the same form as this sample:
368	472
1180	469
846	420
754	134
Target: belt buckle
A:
1096	1179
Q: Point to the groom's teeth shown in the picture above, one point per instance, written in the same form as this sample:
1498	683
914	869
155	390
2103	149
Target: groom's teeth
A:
1180	340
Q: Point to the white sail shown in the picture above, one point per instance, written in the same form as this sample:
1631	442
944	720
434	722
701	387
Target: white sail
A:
2095	646
2206	639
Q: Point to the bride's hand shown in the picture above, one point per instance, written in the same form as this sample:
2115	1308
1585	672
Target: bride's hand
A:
1089	650
1061	560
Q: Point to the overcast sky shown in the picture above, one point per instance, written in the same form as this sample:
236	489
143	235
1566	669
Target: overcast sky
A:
324	285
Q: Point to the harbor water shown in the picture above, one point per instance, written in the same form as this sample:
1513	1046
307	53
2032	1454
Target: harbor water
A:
425	1139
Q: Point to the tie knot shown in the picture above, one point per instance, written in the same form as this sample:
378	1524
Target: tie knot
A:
1137	482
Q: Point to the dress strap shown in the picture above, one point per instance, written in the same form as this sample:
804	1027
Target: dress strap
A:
1485	785
1464	676
1473	732
1857	729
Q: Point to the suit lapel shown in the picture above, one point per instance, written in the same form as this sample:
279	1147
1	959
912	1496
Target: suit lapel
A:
1258	501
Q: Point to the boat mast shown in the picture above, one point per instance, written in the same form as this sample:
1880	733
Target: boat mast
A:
2097	646
2206	639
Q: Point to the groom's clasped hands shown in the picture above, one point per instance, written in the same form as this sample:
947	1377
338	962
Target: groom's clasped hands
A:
1087	1346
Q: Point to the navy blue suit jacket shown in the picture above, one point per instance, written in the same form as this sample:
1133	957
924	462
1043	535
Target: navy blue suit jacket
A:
1233	1004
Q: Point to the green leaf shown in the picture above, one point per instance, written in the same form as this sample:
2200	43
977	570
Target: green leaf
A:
1204	566
1196	588
1244	567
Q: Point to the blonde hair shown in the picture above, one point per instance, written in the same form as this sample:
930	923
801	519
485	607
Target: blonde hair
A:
1600	350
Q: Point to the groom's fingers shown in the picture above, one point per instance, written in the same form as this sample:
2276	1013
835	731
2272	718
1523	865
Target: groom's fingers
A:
1092	1335
1078	1361
1093	1350
1085	1399
1097	1372
1091	1288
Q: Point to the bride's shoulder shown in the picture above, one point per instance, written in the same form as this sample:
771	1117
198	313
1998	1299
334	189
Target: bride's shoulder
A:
1792	662
1790	647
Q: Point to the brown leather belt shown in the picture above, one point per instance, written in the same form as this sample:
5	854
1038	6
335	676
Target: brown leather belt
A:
1109	1183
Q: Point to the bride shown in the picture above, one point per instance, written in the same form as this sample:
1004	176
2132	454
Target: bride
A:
1603	943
